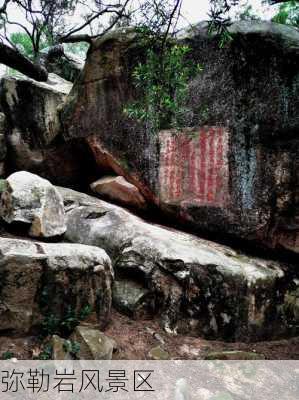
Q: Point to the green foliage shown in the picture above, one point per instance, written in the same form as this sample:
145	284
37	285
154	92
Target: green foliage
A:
85	312
288	14
72	347
79	49
7	355
24	44
52	325
46	353
162	83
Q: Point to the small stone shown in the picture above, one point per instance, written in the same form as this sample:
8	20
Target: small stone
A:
60	348
158	353
234	355
34	201
94	345
117	188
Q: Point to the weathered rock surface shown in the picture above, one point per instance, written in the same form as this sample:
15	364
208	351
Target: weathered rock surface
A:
158	353
60	348
34	201
3	148
62	63
117	188
132	299
234	355
31	106
34	143
198	286
94	345
234	171
41	281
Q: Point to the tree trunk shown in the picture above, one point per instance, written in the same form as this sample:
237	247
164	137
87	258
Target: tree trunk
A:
16	60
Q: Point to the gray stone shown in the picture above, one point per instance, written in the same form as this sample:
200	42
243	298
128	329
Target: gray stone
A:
42	280
60	348
234	355
158	353
62	63
32	106
3	185
131	298
34	201
33	130
94	345
198	286
117	188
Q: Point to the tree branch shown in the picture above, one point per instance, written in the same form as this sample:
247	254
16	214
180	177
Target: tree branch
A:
273	2
72	38
3	8
176	8
16	60
89	21
76	39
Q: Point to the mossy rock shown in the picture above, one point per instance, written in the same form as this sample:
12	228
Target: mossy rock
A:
3	185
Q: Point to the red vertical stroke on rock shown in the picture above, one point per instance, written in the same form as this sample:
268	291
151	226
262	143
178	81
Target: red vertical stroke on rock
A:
179	165
202	165
219	156
185	155
175	167
211	166
170	167
165	166
192	166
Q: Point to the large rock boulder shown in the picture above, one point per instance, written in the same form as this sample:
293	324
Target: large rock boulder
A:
196	286
31	106
33	126
43	284
234	169
32	200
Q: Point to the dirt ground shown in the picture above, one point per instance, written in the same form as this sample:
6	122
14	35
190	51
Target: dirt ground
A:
135	339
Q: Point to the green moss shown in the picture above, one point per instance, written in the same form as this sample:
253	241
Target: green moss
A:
3	185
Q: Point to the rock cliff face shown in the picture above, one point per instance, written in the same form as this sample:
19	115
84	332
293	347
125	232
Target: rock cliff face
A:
234	170
33	131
